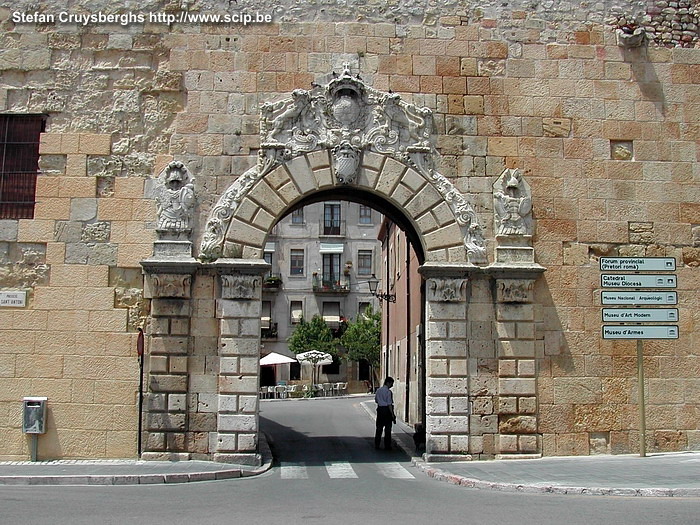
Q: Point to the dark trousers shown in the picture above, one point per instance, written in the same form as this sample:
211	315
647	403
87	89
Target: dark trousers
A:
384	420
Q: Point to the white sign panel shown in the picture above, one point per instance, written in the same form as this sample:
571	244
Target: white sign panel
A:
13	299
642	298
637	264
640	332
639	315
623	280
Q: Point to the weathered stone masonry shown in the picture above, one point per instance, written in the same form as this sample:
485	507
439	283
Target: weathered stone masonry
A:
606	135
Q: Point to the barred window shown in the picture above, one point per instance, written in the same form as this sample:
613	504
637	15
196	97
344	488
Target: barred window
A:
19	164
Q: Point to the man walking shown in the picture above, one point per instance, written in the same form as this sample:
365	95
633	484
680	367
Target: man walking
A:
385	413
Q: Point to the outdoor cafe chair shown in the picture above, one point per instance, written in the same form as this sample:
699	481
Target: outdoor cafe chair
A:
281	391
291	388
327	389
263	392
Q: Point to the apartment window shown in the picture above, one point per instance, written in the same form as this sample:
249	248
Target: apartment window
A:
362	308
266	316
365	214
331	268
296	262
364	262
19	164
296	311
331	219
298	216
331	314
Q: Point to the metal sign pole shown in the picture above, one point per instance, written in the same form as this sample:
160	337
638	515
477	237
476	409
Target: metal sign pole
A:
642	406
34	447
139	351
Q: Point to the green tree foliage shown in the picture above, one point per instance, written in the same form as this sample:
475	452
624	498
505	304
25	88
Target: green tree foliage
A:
312	335
362	338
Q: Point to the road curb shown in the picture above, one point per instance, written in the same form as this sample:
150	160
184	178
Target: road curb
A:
544	488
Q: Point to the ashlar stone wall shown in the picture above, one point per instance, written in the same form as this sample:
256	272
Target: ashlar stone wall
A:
607	137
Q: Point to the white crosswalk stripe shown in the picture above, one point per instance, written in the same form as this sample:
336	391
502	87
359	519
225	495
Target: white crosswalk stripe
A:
394	470
344	470
293	471
340	470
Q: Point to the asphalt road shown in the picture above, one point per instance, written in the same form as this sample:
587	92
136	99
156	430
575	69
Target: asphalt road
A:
327	471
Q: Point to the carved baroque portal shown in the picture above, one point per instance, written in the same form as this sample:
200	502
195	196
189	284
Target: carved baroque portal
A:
345	117
175	202
512	204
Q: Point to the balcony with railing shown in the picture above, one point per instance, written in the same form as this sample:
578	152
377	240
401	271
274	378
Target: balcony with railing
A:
272	283
323	284
268	330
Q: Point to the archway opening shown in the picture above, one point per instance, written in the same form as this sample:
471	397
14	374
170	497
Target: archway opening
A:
331	232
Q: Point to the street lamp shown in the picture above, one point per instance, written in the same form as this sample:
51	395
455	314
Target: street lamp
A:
373	283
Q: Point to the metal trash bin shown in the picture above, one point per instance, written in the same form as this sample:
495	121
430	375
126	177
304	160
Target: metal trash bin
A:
34	415
34	421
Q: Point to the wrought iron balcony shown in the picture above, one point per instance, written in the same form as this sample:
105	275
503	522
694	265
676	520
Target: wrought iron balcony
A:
330	286
270	332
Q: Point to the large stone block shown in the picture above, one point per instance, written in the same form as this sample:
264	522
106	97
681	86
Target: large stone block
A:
517	386
237	308
168	383
447	386
237	423
239	347
168	345
238	384
166	422
518	425
449	424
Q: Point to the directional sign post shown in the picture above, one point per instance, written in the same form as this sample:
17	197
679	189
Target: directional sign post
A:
640	315
637	264
638	298
617	283
623	280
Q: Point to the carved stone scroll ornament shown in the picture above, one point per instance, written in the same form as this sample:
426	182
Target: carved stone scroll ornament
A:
512	204
464	212
446	290
515	290
171	285
175	201
240	286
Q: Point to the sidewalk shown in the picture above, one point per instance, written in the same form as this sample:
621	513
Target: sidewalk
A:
663	474
124	471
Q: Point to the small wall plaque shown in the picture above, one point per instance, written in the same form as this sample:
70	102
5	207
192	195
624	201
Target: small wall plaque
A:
15	299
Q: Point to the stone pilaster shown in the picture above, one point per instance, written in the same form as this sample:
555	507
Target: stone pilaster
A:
517	367
447	380
238	311
169	286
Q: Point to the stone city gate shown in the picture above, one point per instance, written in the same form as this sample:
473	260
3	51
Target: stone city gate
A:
204	331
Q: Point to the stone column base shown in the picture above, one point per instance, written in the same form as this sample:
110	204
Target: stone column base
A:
445	458
518	456
166	456
240	458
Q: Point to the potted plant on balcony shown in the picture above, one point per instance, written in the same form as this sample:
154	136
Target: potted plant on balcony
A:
272	281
